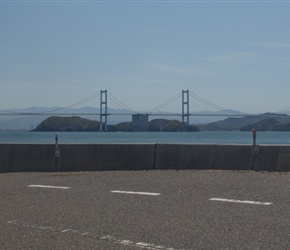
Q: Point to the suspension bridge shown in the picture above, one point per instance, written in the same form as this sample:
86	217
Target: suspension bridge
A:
105	97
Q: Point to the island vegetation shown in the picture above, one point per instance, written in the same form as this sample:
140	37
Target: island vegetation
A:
78	124
270	124
263	122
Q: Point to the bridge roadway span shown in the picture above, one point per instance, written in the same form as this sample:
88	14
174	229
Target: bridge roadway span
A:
161	209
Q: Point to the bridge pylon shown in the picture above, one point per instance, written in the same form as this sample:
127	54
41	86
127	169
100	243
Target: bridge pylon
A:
103	110
185	107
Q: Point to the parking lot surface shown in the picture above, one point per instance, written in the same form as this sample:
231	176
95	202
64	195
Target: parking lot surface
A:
145	210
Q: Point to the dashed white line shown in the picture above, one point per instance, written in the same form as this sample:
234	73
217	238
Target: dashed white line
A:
107	238
239	201
44	186
11	221
131	192
133	244
66	230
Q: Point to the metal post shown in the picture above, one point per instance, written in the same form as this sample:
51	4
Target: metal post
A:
254	137
103	109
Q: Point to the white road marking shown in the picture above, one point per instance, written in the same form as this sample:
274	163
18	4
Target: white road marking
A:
44	186
18	223
66	230
108	237
239	201
11	221
133	244
131	192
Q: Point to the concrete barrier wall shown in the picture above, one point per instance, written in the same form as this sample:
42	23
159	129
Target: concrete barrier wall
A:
26	158
170	156
76	157
93	157
106	157
273	158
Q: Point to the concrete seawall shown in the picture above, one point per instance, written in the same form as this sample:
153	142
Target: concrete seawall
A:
94	157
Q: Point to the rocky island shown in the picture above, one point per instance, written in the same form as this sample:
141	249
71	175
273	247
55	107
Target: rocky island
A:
78	124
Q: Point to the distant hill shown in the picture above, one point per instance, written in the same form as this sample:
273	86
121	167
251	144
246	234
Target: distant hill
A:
75	123
68	124
263	122
164	125
269	124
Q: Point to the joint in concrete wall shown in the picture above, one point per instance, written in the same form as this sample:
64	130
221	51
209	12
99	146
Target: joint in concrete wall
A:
57	164
155	153
56	154
57	159
255	149
255	152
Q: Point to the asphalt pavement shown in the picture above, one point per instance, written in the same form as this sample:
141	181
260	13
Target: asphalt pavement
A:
145	210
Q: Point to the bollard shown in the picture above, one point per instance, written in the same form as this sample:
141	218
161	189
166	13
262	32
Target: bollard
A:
56	154
254	137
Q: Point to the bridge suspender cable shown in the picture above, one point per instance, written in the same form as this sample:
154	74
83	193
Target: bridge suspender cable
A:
120	104
75	104
204	101
162	105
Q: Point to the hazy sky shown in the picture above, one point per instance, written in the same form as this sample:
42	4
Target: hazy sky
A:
235	54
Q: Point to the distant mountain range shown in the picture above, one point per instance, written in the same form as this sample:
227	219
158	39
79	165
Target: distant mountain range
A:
25	119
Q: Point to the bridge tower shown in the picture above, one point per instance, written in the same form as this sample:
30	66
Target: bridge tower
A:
185	107
103	109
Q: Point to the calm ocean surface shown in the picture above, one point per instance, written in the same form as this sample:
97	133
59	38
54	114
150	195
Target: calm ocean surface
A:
145	137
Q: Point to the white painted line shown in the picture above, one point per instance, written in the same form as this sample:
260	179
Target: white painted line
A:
18	223
78	232
136	245
142	244
11	221
44	186
239	201
131	192
66	230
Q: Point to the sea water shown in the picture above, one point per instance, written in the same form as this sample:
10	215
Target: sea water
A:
213	137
